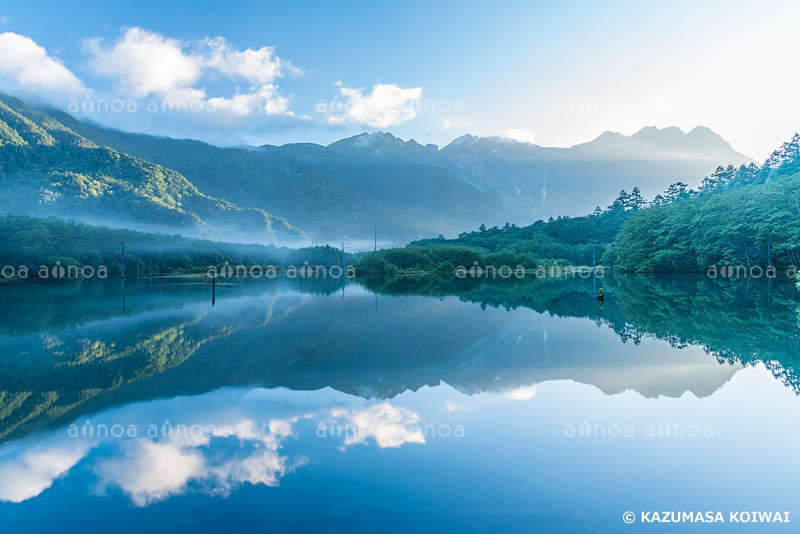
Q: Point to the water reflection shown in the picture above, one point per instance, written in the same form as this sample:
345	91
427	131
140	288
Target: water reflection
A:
474	336
212	443
521	455
501	404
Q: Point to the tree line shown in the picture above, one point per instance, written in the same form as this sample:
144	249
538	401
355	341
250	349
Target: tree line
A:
746	215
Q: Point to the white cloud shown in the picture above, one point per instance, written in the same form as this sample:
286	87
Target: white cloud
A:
448	123
151	472
522	135
27	65
522	394
384	106
451	407
387	425
34	471
258	67
145	64
149	468
265	467
265	99
237	445
247	430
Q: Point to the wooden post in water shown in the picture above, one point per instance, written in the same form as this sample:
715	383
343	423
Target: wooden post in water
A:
122	264
344	269
137	263
122	276
594	272
214	289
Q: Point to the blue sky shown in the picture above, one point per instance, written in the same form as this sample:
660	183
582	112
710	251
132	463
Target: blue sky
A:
277	72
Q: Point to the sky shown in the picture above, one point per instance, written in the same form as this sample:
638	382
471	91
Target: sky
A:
235	73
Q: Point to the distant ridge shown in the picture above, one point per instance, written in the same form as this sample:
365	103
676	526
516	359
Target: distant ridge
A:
648	143
410	191
551	181
665	143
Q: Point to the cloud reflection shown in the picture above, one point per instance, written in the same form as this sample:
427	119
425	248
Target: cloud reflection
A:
149	472
389	426
522	394
26	475
212	443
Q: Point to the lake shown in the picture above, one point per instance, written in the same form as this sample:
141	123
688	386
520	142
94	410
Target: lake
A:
399	405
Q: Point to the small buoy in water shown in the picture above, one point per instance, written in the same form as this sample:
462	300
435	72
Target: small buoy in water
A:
600	296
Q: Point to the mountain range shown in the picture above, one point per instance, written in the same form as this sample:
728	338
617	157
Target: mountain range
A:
54	164
47	169
543	182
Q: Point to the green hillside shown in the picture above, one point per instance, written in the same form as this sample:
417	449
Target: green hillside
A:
341	191
46	168
747	217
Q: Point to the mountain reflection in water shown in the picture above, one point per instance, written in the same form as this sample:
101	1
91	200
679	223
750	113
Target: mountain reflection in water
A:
474	391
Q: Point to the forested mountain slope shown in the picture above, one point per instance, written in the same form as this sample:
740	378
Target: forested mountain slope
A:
412	191
748	217
46	168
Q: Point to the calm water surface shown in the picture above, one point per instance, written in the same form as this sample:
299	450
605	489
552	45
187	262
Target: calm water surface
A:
398	405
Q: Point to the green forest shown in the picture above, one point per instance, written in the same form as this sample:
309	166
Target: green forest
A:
744	216
34	242
47	169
